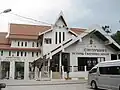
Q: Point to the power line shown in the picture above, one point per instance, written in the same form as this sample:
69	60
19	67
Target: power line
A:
30	19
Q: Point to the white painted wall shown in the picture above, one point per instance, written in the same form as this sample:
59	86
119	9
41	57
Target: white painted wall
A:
79	48
48	47
14	43
28	57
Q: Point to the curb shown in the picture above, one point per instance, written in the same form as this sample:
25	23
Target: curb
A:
47	84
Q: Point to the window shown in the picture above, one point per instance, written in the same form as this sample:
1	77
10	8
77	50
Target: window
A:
94	70
37	54
17	53
113	56
112	70
55	37
41	43
32	44
63	36
32	54
21	53
9	53
1	53
37	44
21	43
48	40
25	44
59	37
118	56
25	54
18	43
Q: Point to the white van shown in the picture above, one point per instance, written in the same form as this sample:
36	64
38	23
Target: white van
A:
105	75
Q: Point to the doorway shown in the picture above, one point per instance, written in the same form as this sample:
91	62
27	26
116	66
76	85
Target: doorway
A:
89	62
19	70
5	69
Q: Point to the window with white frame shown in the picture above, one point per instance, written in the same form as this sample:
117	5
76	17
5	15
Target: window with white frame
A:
18	43
37	54
25	44
1	53
25	54
17	53
48	40
32	44
37	44
9	53
32	54
21	43
21	53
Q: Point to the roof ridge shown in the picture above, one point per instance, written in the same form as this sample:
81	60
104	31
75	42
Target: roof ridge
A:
29	24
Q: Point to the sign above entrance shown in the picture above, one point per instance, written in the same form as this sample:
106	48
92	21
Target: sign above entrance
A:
92	51
12	58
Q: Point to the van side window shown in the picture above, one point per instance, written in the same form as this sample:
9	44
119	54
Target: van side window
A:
111	70
94	70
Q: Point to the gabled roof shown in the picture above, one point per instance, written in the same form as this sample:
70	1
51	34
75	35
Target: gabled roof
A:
61	16
25	31
3	40
29	32
78	31
103	36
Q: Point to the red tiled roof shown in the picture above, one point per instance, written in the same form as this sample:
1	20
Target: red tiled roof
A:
3	39
25	29
22	37
78	30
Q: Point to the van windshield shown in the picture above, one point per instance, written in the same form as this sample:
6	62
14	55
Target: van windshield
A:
93	70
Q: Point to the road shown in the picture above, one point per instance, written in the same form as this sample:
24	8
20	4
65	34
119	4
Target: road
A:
70	86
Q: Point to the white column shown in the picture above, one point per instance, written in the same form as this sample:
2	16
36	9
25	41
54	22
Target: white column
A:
48	67
40	75
36	73
26	70
50	74
85	68
63	72
12	69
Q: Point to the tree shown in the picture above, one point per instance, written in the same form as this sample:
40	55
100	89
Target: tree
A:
116	37
106	29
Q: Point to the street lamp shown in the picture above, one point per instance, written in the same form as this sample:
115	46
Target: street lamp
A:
6	11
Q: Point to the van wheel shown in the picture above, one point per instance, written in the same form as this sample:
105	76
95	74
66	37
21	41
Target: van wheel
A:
93	85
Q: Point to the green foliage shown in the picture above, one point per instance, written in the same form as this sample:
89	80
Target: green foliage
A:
116	37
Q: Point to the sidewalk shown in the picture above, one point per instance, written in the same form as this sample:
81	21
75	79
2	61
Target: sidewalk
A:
38	83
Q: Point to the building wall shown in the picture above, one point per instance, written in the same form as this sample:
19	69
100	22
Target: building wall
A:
80	49
28	56
60	27
14	43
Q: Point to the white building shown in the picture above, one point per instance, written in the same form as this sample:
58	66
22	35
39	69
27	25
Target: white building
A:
31	51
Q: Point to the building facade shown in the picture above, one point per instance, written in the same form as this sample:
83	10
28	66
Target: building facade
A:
32	51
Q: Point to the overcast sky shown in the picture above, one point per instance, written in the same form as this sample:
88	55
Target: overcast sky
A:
77	13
